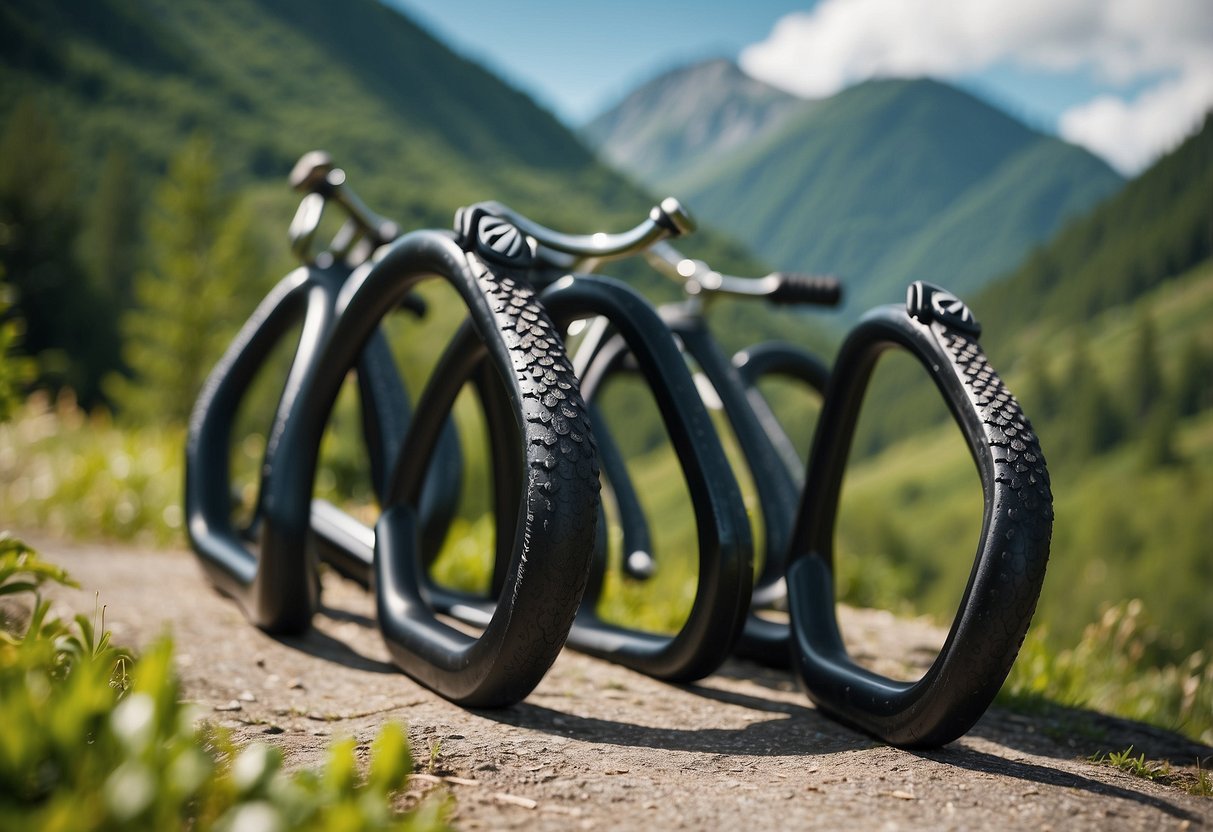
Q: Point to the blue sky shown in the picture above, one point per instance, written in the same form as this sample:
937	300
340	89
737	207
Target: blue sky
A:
579	58
1126	78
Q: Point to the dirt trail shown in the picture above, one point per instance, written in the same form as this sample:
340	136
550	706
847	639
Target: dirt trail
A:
600	747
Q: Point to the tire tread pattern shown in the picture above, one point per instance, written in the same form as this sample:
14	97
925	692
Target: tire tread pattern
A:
562	482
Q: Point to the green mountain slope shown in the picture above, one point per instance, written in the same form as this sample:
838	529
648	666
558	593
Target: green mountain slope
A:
1021	202
270	79
1159	226
884	183
419	129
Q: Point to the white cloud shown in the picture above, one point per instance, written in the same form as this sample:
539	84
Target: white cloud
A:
1117	42
1131	134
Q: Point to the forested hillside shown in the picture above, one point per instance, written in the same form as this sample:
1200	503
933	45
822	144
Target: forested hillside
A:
1104	336
97	99
1157	228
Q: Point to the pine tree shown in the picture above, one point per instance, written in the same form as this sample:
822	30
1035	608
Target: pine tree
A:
1040	396
1158	446
16	371
190	300
1092	423
1144	386
109	242
39	221
1194	386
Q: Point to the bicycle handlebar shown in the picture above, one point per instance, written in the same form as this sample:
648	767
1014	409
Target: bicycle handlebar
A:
792	288
320	180
576	252
698	278
316	175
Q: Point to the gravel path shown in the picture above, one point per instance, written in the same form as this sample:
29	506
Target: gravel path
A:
600	747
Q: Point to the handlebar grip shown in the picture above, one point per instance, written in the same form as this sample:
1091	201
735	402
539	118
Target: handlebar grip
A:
806	288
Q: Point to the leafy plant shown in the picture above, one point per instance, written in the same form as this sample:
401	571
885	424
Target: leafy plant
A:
16	371
89	746
1157	771
1137	766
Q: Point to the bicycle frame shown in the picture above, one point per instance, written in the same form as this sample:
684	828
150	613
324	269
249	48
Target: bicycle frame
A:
548	566
262	567
775	468
259	565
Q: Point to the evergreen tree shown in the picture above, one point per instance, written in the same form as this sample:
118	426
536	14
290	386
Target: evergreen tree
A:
1158	442
1194	387
1092	423
16	371
39	221
109	243
1144	386
189	301
1039	397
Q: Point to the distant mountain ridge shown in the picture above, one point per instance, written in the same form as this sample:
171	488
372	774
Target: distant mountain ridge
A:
881	184
706	110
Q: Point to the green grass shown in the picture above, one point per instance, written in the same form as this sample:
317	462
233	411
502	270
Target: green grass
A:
1137	766
79	475
1202	784
1117	667
1195	783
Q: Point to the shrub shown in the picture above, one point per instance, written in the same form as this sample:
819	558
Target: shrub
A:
97	740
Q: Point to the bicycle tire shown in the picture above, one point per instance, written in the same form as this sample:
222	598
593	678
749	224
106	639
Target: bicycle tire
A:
725	548
269	585
762	640
274	587
557	517
1008	567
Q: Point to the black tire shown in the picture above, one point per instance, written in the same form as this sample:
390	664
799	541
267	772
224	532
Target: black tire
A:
558	485
759	433
724	545
1009	565
276	588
